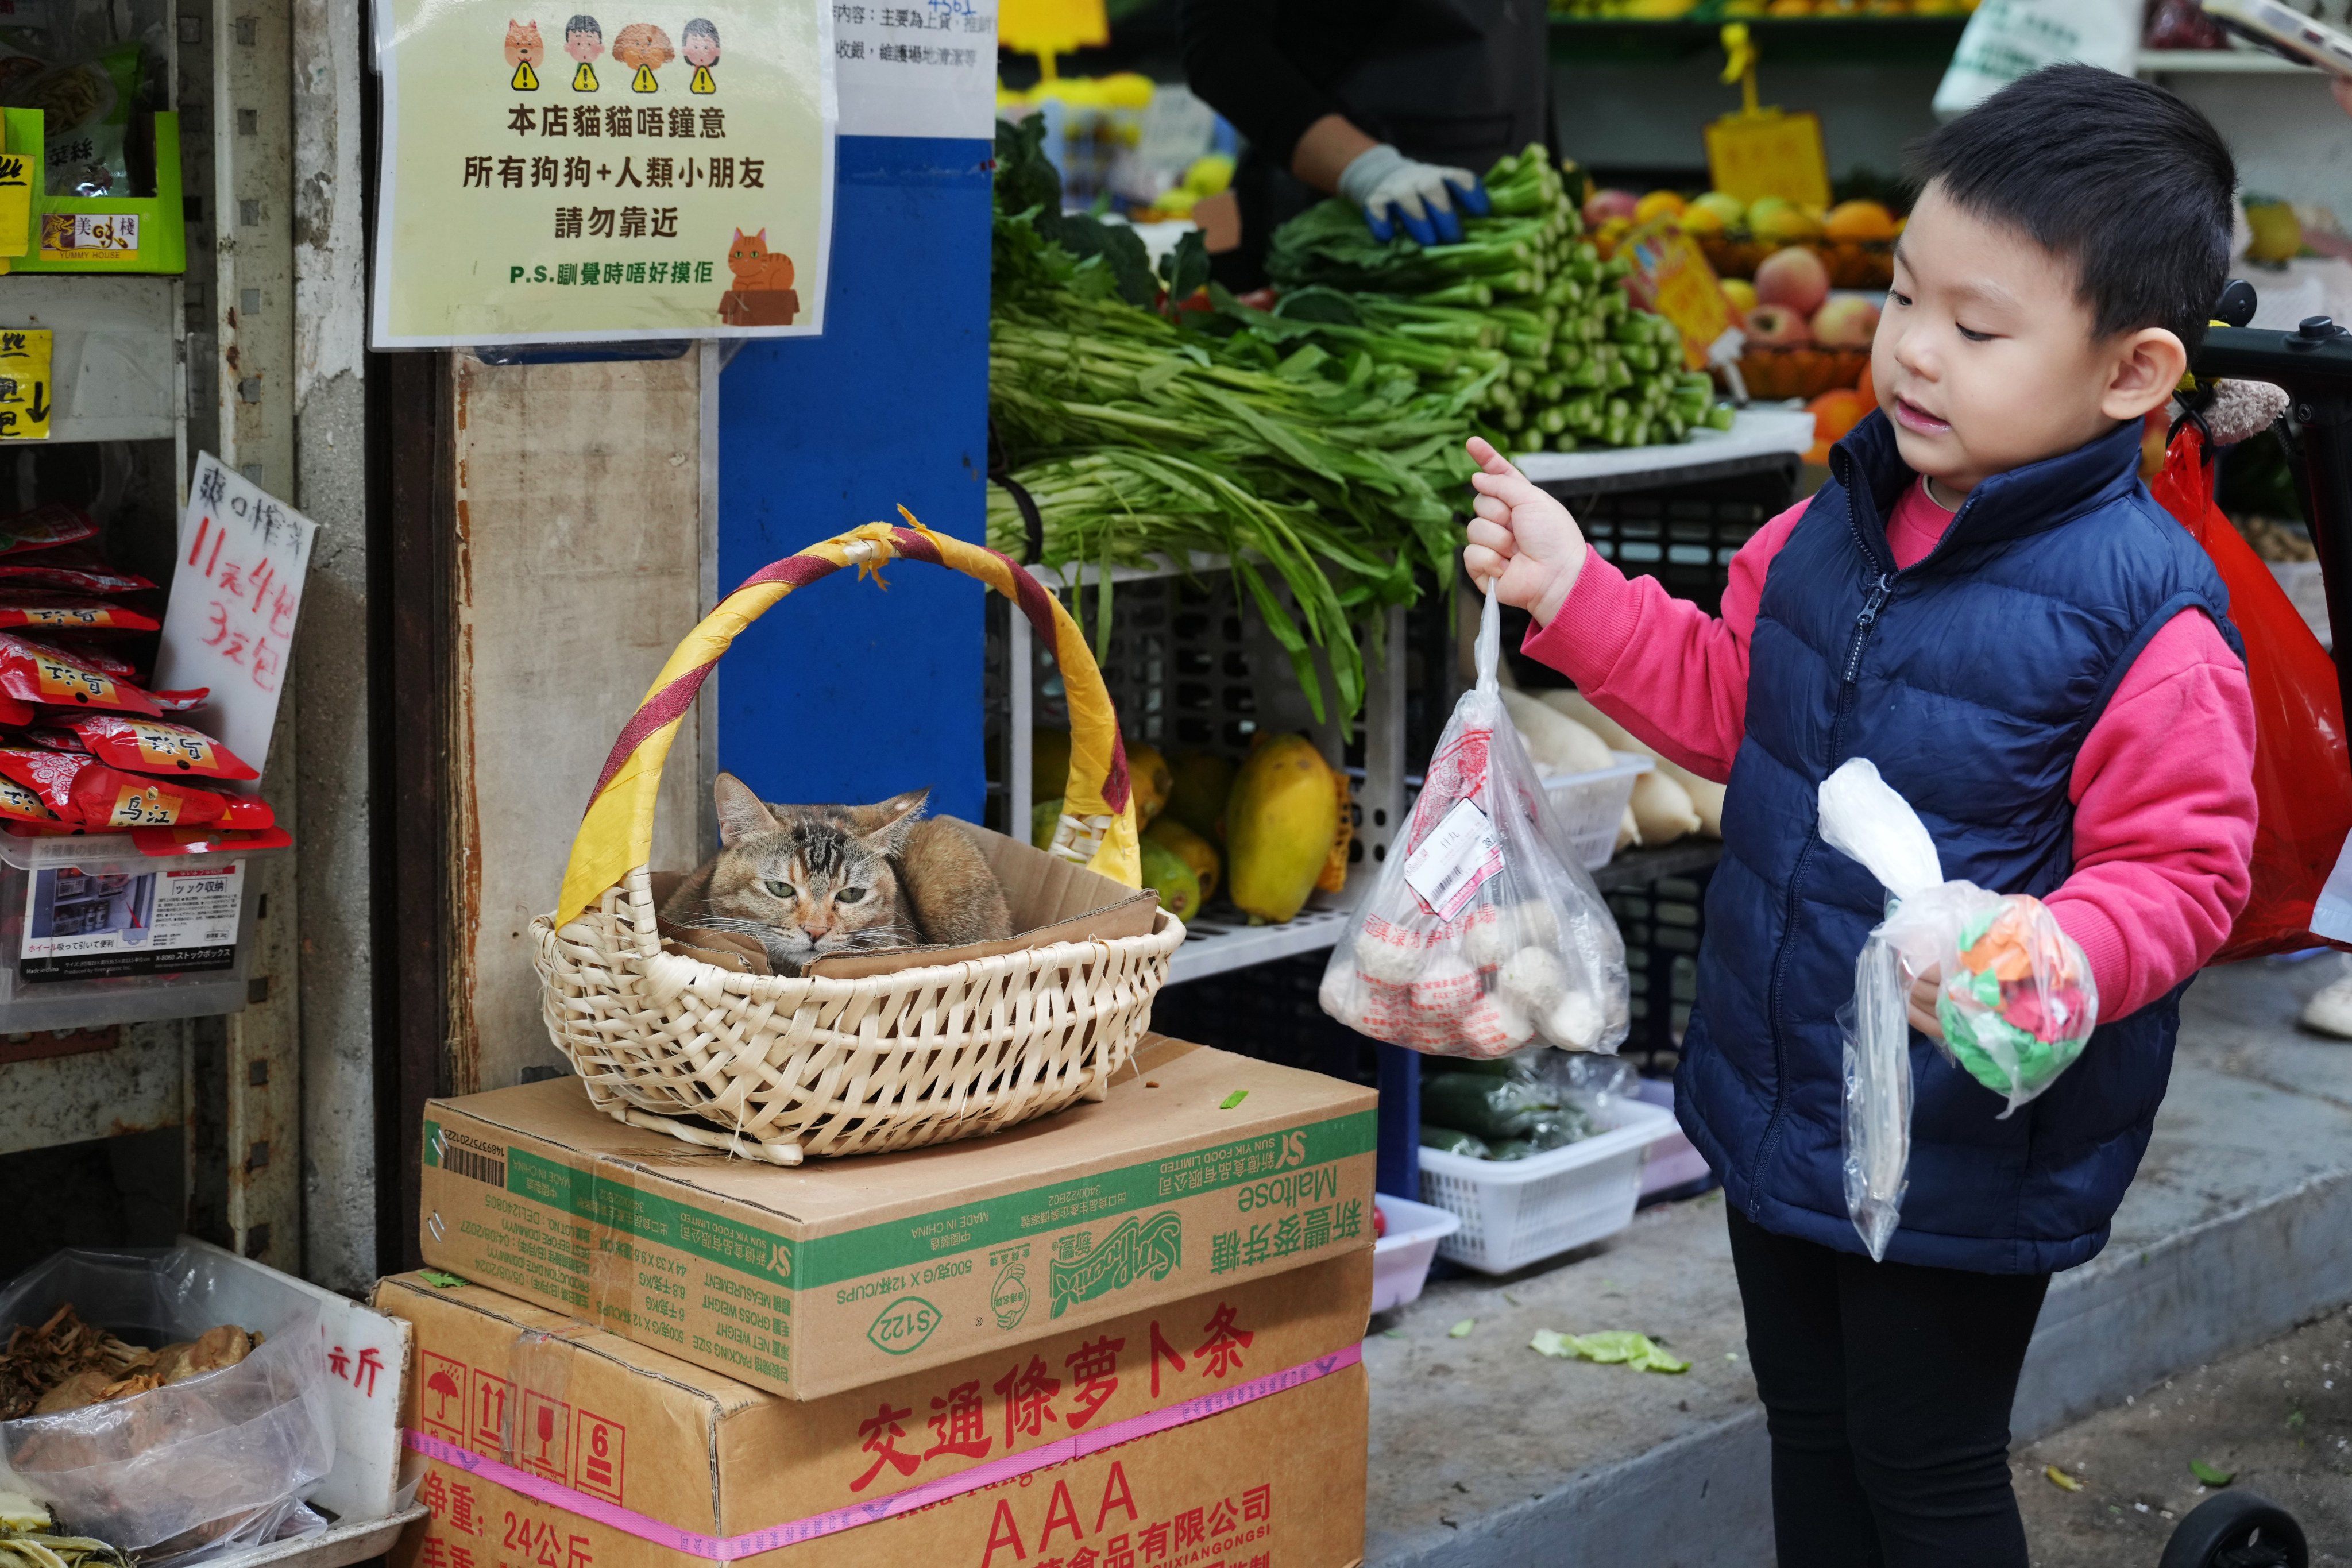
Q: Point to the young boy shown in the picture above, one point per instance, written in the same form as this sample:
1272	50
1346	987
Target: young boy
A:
1986	603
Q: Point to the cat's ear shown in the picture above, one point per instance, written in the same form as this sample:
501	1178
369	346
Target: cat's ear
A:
763	237
884	824
738	238
740	812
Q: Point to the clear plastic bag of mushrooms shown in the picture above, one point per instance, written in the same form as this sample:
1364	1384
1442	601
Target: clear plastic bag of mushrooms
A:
1484	932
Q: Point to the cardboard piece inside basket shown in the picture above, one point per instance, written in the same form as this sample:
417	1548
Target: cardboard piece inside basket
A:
1051	899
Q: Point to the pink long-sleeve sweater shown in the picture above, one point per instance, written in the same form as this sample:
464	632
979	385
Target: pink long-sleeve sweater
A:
2163	787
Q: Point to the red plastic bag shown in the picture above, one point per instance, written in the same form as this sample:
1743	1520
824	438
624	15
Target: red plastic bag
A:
2303	772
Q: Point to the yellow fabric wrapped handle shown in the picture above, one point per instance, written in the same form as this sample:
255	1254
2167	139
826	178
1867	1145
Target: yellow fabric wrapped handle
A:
1098	828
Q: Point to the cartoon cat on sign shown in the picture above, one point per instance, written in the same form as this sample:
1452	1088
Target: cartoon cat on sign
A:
763	295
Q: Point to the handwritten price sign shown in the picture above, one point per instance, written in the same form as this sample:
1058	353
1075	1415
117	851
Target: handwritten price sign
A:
237	591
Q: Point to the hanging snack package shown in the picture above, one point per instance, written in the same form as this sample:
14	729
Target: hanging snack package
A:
86	793
2014	993
39	610
1484	932
44	528
181	701
31	672
156	746
73	568
18	804
86	106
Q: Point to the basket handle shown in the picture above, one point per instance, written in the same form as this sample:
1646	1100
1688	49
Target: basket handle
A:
1098	828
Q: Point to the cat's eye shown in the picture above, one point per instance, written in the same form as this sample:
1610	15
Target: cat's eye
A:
850	895
778	889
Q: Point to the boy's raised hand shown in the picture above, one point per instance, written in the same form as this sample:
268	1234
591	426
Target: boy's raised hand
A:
1521	537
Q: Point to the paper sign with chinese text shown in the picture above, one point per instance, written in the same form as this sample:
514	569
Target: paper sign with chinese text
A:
1671	275
24	384
236	590
916	67
15	202
1769	153
553	177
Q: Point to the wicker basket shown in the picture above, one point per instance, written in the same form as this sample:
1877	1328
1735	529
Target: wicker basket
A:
778	1068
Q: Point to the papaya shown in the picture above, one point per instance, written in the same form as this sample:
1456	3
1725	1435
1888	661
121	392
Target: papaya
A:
1334	876
1165	874
1204	780
1188	846
1280	822
1149	775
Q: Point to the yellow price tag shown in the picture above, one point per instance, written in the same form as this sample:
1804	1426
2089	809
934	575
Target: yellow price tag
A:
25	406
1051	26
1671	277
1769	153
15	201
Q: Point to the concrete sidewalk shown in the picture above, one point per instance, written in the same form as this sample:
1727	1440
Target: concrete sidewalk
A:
1485	1455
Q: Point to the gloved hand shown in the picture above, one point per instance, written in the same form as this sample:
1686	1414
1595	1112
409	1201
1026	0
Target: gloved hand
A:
1383	181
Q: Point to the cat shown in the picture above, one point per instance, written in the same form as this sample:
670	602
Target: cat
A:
808	882
763	295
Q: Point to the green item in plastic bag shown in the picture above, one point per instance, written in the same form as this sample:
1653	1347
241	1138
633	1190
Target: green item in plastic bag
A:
1511	1149
1448	1140
1973	1038
1490	1107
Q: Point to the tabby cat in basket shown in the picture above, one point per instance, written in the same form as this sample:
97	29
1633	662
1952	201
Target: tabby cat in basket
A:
809	881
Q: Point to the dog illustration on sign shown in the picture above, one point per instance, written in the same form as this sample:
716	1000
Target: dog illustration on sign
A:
763	295
526	51
646	49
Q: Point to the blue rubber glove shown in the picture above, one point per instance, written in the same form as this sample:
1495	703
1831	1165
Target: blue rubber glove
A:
1395	191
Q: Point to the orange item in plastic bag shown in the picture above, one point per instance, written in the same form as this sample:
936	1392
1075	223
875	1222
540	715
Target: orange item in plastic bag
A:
155	746
31	672
42	610
2303	772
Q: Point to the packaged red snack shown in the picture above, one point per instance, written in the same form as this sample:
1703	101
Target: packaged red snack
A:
207	840
18	804
30	672
157	746
99	659
56	737
181	701
12	712
42	610
85	792
44	528
74	569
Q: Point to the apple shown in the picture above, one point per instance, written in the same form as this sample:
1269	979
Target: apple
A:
1728	212
1777	327
1848	321
1795	277
1603	205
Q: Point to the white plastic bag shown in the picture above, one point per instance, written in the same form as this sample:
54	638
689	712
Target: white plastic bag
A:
1485	931
184	1466
2014	996
2005	39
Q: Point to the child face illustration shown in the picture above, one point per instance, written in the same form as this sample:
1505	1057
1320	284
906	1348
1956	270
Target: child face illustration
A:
701	51
583	46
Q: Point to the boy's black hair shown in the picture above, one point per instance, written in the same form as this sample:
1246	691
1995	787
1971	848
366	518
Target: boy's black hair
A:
2117	175
582	24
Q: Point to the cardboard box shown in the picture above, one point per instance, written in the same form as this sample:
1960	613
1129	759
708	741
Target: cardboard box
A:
673	1458
1198	1169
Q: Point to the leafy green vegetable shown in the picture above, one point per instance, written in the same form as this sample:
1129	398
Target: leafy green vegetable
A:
1461	1330
1233	1099
2208	1475
1609	1347
439	1280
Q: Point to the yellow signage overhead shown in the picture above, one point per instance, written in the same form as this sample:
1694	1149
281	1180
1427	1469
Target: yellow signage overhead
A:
1764	152
25	406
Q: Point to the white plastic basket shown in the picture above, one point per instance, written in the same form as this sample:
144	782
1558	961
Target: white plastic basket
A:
1400	1259
1515	1212
1590	806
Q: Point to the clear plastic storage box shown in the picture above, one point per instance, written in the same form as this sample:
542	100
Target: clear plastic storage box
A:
1516	1212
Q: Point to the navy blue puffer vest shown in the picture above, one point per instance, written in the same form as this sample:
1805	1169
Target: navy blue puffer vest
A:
1970	679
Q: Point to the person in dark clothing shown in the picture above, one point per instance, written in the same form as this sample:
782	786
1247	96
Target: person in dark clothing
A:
1397	105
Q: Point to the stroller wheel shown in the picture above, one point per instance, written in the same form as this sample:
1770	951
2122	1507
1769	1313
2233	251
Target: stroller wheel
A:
2237	1529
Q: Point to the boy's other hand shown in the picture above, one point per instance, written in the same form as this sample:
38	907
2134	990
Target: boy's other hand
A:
1521	539
1922	1003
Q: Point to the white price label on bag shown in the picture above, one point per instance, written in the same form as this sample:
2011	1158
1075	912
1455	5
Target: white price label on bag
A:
1450	865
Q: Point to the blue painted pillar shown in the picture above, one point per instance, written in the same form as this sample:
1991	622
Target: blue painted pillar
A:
844	692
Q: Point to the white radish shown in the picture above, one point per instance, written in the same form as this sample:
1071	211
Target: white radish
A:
1557	743
1663	809
1705	794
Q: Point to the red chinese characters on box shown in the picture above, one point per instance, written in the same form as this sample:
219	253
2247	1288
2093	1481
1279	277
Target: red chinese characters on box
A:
1032	1402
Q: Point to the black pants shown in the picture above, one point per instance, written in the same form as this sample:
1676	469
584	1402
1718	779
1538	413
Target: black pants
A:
1887	1389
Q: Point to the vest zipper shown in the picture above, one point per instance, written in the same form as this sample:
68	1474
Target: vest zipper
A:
1863	622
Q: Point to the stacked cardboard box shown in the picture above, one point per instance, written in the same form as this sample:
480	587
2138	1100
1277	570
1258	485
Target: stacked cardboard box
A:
1125	1336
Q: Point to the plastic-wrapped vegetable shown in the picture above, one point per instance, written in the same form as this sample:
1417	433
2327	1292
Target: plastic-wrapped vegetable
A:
2014	994
1484	932
1489	1106
1452	1142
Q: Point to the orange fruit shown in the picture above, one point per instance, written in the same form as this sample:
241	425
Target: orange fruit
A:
1859	220
1658	204
1834	414
1867	389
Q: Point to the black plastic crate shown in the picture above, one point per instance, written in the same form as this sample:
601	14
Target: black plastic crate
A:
1662	922
1268	1011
